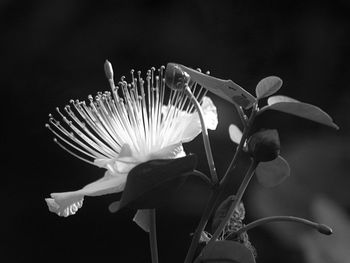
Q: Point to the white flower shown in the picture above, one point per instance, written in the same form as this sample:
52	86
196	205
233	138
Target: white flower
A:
134	123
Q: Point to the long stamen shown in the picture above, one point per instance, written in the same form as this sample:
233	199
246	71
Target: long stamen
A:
140	113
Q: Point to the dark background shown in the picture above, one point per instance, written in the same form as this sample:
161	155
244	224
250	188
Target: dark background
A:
53	51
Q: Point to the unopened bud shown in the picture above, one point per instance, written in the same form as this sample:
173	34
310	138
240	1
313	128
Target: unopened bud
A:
175	77
324	229
108	69
264	146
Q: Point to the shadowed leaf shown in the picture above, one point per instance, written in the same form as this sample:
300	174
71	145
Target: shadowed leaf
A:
272	173
226	251
268	86
301	109
153	183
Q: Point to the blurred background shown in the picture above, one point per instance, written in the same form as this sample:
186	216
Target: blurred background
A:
53	51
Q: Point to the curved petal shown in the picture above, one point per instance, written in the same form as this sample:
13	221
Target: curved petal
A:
68	203
120	165
172	151
192	125
210	113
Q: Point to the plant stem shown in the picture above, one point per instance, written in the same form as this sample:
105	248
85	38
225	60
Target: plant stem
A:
320	227
205	136
236	201
241	143
153	236
202	223
217	189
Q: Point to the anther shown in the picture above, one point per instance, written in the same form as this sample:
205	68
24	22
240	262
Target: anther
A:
108	70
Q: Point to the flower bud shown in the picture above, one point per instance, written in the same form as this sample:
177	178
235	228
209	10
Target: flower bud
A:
264	146
175	77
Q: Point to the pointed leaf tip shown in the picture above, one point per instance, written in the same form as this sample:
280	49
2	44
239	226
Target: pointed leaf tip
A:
268	86
300	109
272	173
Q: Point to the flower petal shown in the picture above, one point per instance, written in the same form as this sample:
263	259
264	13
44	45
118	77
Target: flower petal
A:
120	165
192	123
210	113
67	203
172	151
235	133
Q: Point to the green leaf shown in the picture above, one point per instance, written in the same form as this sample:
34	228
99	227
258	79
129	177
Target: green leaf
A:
153	183
272	173
226	251
268	86
301	109
226	89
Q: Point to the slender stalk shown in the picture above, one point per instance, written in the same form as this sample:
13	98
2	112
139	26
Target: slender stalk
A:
215	196
205	135
153	236
241	143
237	200
319	227
202	223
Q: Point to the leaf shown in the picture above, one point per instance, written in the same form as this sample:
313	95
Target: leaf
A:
235	133
153	183
142	219
226	251
272	173
226	89
301	109
268	86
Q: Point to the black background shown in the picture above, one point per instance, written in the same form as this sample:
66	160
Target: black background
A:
53	51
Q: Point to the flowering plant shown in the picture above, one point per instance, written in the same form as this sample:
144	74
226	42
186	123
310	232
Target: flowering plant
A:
136	133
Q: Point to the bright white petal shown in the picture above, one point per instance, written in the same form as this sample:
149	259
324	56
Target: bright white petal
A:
108	184
65	204
68	203
120	165
210	113
172	151
235	133
192	123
